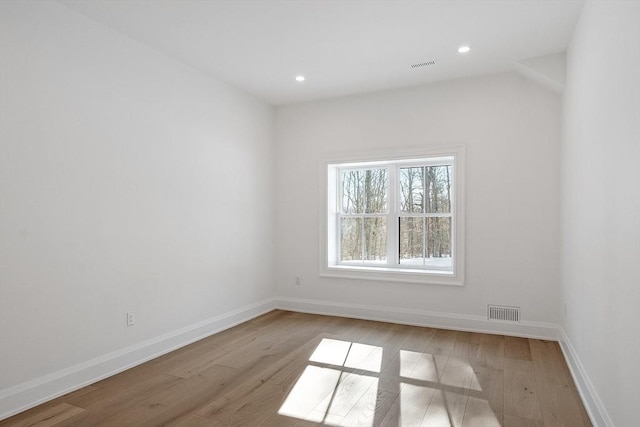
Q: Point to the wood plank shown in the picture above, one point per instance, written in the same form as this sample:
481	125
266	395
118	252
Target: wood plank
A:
243	350
181	362
193	420
520	390
277	372
413	375
105	402
395	342
370	409
450	400
409	366
490	351
442	342
517	348
466	346
75	394
485	405
392	418
559	402
511	421
559	408
446	409
549	365
414	401
277	420
34	412
130	386
478	412
178	401
50	417
255	402
351	390
368	355
428	369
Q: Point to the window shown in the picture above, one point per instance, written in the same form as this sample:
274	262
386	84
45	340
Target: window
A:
394	218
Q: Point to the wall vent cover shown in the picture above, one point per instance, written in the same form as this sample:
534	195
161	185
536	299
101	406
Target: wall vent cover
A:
504	313
423	64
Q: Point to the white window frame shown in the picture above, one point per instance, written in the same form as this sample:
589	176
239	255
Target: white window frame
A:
330	266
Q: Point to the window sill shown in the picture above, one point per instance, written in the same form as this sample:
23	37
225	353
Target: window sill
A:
424	277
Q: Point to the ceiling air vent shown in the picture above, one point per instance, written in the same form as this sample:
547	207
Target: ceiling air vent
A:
504	313
423	64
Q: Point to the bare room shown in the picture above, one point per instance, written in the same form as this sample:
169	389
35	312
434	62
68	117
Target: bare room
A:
320	213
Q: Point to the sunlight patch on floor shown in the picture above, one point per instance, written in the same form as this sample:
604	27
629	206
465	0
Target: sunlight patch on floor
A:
354	399
431	368
336	395
479	413
440	412
348	354
331	397
309	394
459	373
421	366
365	357
331	352
433	389
414	402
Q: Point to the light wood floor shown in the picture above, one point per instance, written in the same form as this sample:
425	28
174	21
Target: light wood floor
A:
293	369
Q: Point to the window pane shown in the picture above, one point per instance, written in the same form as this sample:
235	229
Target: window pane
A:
439	242
411	189
352	191
351	239
411	241
439	184
364	191
375	190
375	239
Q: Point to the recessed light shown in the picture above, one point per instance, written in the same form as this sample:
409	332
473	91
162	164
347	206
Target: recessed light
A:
299	78
464	49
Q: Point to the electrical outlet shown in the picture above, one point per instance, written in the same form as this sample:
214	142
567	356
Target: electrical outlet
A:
298	282
131	319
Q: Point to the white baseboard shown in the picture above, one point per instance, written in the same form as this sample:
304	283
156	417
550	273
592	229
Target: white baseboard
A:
597	412
39	390
539	330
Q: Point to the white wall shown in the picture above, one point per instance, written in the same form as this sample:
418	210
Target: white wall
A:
600	209
130	182
511	129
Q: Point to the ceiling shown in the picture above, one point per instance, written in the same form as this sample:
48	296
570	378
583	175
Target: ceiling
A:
341	47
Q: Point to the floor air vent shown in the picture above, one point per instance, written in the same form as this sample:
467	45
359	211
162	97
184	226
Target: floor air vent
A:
504	313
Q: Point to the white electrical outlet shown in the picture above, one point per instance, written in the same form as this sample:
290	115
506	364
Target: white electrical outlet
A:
298	282
131	319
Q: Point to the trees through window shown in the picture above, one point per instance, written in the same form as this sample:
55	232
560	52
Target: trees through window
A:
363	218
425	216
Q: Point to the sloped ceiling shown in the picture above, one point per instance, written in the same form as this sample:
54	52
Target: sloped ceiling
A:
341	47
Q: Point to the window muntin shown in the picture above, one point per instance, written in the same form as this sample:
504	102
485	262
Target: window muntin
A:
415	217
